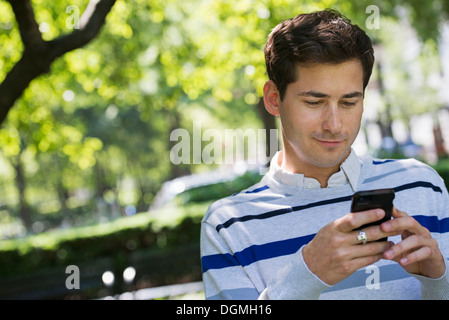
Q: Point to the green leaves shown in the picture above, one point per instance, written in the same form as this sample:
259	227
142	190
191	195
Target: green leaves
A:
105	111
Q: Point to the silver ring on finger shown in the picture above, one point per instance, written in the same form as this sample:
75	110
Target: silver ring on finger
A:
362	237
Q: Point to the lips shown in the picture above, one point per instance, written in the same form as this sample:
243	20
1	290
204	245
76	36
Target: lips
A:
330	143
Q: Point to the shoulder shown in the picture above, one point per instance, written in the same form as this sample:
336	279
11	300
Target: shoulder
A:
239	204
418	187
395	163
397	169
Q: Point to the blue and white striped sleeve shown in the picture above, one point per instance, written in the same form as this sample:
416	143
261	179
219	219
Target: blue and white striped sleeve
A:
223	277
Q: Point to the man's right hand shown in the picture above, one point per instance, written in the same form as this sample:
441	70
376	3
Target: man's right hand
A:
335	252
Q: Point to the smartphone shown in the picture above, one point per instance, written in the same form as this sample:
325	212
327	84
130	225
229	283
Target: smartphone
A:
374	199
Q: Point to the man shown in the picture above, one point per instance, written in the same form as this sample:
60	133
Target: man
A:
292	236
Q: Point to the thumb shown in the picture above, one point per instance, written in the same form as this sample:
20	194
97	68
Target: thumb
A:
398	213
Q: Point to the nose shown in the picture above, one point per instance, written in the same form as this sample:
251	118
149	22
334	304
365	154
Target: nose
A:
331	119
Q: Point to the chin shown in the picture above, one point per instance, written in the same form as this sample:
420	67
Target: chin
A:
327	161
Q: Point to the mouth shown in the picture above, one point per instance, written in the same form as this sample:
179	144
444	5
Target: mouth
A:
330	143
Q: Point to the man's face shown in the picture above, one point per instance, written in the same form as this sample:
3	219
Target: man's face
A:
321	114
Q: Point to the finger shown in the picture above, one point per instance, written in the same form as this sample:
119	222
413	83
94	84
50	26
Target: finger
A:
364	261
416	256
355	220
410	244
373	248
373	233
398	213
403	223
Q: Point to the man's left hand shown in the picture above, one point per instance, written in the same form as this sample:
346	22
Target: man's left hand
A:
418	252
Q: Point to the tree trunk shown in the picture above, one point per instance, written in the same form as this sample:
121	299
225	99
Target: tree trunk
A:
24	209
176	170
439	140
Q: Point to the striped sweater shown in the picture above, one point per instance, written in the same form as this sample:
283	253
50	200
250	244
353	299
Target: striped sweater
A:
251	242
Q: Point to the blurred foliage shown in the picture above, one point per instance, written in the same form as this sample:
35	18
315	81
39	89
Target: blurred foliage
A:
96	129
162	229
218	191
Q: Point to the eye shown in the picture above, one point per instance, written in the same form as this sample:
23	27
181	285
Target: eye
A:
349	104
312	103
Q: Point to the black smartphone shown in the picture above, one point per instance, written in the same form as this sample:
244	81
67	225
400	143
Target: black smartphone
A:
374	199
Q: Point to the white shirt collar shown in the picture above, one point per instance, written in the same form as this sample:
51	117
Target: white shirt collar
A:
349	173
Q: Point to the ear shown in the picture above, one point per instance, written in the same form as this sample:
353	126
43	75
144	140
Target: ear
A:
271	98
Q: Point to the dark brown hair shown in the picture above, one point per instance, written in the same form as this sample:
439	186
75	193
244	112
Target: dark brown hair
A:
319	37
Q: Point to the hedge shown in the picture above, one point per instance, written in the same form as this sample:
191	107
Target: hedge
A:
165	228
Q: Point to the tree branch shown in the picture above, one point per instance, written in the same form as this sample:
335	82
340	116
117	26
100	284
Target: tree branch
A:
29	30
39	54
90	24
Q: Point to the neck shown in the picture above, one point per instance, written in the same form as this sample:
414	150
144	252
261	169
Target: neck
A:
292	163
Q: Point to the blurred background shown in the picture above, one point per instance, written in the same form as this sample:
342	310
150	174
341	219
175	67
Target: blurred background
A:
86	177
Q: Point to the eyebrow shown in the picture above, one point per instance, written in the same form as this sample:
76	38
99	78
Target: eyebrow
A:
315	94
